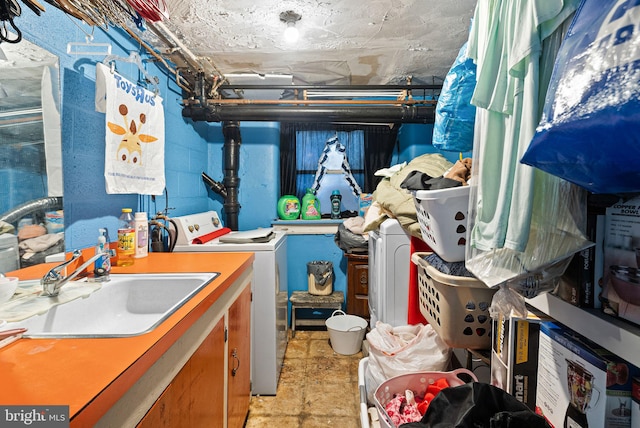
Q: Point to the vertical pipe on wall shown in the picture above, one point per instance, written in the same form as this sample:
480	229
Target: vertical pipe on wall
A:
231	181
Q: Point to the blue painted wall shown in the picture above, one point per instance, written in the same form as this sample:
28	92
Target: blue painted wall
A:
259	174
414	140
302	249
190	149
87	205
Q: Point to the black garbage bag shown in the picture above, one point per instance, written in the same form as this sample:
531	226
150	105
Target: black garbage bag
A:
321	270
477	405
348	241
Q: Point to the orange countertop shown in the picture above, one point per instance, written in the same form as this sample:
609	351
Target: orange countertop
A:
91	374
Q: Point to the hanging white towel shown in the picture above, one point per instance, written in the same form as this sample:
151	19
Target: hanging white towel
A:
134	143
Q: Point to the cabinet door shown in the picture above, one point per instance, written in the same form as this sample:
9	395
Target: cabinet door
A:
207	380
195	397
361	286
239	370
358	285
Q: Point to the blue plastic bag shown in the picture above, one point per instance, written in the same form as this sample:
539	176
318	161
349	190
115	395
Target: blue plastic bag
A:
589	132
455	115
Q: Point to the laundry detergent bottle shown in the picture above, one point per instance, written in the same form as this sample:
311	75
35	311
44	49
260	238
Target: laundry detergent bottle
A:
288	207
310	206
336	208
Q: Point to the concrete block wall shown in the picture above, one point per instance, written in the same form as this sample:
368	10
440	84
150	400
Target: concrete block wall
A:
87	205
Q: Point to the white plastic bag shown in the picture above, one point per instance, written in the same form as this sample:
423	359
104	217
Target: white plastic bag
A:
399	350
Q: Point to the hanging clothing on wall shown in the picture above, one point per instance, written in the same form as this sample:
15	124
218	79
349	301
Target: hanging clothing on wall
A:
506	41
134	143
334	173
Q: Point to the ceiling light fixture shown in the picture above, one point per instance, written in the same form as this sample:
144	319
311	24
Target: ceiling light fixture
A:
290	18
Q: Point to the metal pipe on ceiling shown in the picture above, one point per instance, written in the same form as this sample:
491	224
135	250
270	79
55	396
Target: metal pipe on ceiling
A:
189	56
244	101
335	87
338	114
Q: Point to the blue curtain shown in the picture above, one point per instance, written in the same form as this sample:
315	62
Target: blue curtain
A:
369	148
309	146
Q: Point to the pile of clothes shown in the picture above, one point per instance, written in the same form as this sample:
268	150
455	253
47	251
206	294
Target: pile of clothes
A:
393	196
35	242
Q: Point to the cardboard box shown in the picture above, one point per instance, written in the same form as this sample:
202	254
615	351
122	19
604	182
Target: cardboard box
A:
622	238
579	383
570	289
581	283
514	355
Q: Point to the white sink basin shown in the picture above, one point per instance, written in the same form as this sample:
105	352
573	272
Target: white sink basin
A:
127	305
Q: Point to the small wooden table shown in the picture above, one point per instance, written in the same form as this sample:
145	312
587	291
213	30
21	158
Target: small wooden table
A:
304	300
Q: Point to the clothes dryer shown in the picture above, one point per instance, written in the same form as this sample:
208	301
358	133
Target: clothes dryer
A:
389	261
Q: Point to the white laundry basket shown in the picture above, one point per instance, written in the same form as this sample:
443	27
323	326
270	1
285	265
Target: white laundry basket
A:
442	216
346	332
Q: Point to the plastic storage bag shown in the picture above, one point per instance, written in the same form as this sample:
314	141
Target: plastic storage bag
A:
558	222
348	241
399	350
455	115
588	133
477	405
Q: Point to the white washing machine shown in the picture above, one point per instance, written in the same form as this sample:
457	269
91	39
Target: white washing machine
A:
389	258
269	321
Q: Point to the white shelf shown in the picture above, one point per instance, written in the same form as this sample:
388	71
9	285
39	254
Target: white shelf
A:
616	335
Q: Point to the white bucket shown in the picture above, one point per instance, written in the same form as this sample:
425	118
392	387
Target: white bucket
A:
346	332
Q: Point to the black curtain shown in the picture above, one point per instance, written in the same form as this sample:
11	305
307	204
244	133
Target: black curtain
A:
379	142
288	159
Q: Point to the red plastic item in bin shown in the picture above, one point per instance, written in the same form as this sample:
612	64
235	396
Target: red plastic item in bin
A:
401	409
422	384
414	316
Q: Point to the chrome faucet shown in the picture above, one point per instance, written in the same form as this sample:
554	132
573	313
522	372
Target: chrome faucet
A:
53	281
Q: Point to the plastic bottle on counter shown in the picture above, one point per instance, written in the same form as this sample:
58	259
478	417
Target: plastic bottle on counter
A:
102	266
126	238
142	235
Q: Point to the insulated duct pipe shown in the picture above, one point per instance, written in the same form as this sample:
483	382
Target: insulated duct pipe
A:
34	206
312	113
231	181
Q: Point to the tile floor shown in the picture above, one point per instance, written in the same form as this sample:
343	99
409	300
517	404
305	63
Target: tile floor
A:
317	389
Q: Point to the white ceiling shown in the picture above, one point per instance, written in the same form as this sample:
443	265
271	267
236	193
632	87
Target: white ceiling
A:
346	42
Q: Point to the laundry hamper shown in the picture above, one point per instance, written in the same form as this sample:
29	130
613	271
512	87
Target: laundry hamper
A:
442	216
457	307
416	382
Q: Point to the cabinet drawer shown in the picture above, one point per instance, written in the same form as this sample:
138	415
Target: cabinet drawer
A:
360	280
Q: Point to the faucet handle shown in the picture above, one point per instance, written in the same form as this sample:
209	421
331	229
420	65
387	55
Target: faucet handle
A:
55	273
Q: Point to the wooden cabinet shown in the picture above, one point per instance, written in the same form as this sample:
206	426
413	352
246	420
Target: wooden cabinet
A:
220	366
358	285
195	397
238	369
